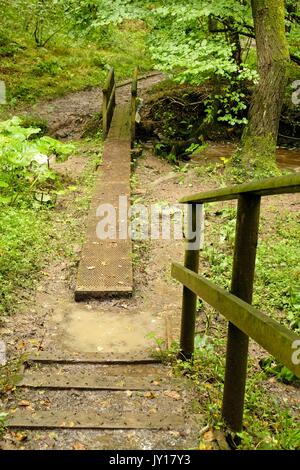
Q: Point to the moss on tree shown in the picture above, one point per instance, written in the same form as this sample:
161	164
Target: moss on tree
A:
257	153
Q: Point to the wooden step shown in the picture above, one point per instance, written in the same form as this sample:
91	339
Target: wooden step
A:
93	420
88	381
65	357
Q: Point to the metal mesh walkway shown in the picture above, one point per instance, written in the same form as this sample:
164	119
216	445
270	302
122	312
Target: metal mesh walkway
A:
106	265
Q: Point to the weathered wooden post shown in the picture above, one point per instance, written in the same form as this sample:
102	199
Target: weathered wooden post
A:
109	101
191	261
133	103
104	113
242	286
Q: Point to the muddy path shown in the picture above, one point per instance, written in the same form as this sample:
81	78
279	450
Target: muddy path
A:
50	320
49	317
69	116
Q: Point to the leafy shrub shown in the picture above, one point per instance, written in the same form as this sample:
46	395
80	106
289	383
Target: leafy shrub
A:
37	122
24	162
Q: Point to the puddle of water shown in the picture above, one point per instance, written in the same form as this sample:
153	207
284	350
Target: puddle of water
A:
286	158
90	330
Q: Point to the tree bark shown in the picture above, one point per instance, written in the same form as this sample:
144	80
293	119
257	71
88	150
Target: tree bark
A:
260	135
273	58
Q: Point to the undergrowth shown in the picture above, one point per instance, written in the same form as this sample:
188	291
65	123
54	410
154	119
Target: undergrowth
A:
269	420
32	234
69	64
268	423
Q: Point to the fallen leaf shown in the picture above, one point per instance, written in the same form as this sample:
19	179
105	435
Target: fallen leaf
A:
209	436
149	395
8	388
172	394
21	344
153	410
20	436
91	267
207	385
45	402
204	446
78	446
24	403
6	331
129	393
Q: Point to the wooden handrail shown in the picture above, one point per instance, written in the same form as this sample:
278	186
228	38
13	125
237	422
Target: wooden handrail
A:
271	335
134	91
243	319
266	187
134	83
109	101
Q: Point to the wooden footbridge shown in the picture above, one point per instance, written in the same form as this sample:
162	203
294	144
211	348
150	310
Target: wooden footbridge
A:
106	264
106	268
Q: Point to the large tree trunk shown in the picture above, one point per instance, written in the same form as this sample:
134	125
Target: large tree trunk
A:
260	136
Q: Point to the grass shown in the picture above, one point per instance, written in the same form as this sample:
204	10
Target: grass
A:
267	423
24	244
277	282
30	239
66	65
278	279
31	236
270	422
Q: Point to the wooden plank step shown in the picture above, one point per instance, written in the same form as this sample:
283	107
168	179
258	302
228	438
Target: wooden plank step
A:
93	420
88	381
106	264
65	357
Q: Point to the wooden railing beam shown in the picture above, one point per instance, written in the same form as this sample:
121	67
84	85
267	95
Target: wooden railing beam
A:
271	335
244	320
267	187
134	91
109	101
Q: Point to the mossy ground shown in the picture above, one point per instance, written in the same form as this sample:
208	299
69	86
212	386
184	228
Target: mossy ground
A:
254	160
65	65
